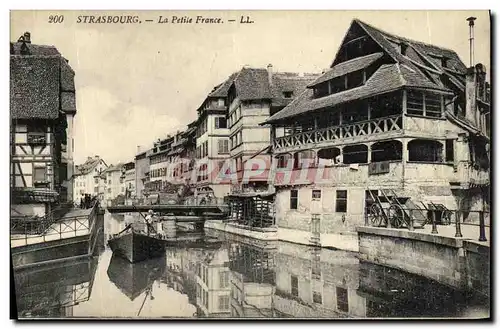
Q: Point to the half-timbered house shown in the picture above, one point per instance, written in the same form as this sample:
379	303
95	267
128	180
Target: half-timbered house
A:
42	107
392	117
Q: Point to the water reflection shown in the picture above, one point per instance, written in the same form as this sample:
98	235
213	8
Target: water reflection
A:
225	276
134	279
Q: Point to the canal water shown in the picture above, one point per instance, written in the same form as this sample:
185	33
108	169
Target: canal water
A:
228	276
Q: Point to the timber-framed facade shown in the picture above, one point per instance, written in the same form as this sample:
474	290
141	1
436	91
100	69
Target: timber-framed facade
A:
42	107
391	115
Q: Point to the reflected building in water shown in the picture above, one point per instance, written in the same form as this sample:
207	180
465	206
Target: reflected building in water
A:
252	281
51	292
316	283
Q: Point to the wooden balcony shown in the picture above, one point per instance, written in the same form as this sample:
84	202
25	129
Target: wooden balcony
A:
338	133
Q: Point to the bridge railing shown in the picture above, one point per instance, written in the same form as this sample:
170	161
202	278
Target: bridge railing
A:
48	228
468	223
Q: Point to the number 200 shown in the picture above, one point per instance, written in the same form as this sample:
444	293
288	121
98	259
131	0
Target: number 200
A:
56	18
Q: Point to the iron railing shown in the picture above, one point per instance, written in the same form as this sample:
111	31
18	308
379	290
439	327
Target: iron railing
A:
404	218
47	229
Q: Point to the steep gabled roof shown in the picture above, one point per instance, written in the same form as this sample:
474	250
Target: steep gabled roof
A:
34	87
424	71
386	79
346	67
88	165
33	49
41	82
252	84
222	89
286	82
432	53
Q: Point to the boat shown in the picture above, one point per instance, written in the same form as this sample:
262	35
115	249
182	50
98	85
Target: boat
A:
137	242
135	279
137	246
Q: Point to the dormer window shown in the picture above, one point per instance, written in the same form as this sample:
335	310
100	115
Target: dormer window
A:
403	48
444	61
288	94
355	79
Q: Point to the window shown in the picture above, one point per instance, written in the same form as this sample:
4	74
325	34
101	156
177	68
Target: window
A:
294	285
223	146
36	134
342	300
96	180
450	150
198	290
433	105
317	297
341	201
316	194
205	274
220	122
224	279
39	174
404	48
223	303
415	103
283	160
288	94
109	190
294	199
355	79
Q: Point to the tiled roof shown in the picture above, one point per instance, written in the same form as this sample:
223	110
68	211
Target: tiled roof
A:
252	84
426	72
387	78
222	89
288	82
349	66
429	52
33	49
41	82
34	87
116	167
87	166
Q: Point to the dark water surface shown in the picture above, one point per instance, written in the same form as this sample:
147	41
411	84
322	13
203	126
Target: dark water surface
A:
231	277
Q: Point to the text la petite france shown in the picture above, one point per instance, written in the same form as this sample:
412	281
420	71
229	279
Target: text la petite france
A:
198	20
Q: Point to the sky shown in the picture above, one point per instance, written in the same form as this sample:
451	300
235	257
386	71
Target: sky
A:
136	83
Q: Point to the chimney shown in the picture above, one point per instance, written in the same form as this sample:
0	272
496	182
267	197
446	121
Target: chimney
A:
471	39
473	80
138	149
270	74
27	37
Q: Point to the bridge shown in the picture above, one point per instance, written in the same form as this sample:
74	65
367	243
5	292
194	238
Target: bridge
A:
183	210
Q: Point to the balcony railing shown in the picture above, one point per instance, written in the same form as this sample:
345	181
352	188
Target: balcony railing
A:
363	128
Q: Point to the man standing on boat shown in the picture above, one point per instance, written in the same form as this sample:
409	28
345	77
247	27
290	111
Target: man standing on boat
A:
149	219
